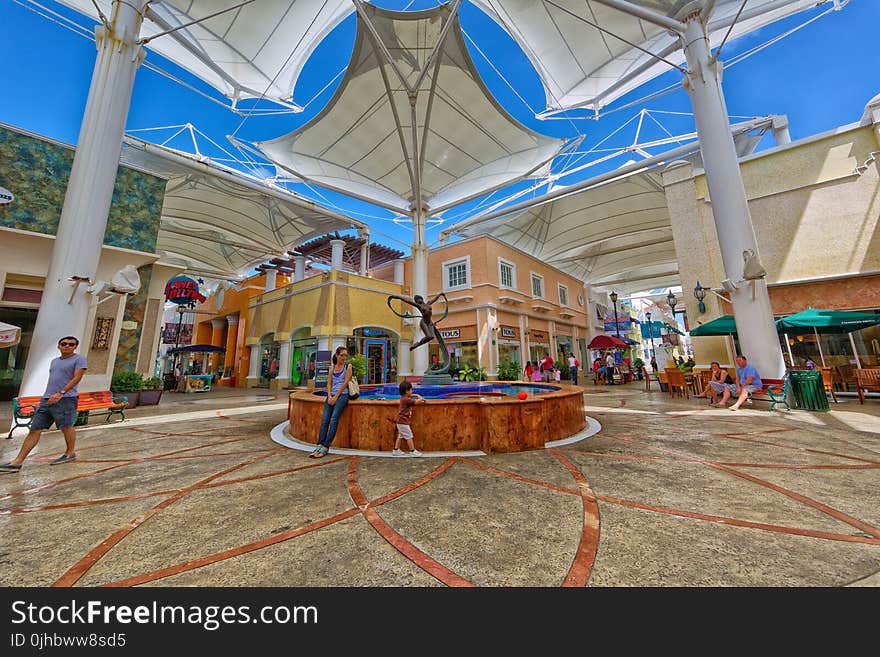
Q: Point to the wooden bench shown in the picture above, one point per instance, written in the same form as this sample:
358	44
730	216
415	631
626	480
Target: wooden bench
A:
867	380
23	408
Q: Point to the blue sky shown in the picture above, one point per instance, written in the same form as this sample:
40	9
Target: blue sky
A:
821	77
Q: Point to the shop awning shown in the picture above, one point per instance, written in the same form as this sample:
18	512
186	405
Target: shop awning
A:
725	325
9	335
816	320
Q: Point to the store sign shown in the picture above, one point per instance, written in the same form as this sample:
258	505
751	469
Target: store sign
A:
624	324
183	290
450	334
6	196
322	369
508	332
539	335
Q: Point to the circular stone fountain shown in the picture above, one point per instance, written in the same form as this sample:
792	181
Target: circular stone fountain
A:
463	417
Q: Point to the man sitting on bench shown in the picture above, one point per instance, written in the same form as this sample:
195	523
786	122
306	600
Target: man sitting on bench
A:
58	405
747	382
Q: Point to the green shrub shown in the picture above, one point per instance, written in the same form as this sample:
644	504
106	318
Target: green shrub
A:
469	373
127	382
509	371
358	367
638	364
154	383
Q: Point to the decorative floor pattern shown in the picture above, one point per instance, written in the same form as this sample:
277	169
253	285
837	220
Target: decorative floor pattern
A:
667	494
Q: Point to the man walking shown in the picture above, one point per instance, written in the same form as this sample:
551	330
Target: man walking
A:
57	405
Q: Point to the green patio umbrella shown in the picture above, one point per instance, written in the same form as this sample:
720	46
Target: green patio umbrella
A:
817	320
725	325
672	329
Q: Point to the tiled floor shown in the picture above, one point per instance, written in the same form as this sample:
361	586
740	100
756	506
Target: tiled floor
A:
669	493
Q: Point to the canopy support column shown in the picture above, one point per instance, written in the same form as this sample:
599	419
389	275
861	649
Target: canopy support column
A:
64	307
855	351
754	316
819	343
420	286
788	347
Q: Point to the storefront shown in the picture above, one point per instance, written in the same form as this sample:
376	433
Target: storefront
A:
564	346
461	342
12	359
303	349
539	344
379	347
269	355
508	345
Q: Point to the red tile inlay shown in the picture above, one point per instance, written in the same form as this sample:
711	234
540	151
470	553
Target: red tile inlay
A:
407	549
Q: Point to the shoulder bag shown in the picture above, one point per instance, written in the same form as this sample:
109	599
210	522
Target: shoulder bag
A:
354	390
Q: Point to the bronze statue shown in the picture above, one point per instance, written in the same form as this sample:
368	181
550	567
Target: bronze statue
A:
426	324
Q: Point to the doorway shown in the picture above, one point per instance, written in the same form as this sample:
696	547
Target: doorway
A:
376	360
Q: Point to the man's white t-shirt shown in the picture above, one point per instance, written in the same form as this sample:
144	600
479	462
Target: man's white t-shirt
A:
571	361
609	361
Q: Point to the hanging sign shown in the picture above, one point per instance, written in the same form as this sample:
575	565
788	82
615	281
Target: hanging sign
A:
183	290
6	196
450	334
624	323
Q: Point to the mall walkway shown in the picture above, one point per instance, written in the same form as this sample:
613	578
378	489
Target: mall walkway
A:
669	493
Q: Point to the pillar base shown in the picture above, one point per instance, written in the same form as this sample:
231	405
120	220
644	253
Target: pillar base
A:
436	380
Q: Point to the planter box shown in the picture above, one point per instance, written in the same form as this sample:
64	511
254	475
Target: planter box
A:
132	398
149	397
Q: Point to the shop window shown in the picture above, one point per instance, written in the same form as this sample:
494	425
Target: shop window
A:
537	286
507	274
456	274
563	295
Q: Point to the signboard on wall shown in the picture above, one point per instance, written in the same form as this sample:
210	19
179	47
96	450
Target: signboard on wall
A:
450	334
6	196
322	368
508	332
169	334
539	336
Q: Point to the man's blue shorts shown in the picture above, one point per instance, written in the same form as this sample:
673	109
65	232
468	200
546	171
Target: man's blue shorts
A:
62	413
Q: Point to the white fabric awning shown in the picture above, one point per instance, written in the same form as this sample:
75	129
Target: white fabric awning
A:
583	66
611	232
257	50
364	144
220	221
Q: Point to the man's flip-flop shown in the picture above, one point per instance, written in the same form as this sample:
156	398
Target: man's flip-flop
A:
9	467
64	458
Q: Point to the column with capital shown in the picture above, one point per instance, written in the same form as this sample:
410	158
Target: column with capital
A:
253	377
231	344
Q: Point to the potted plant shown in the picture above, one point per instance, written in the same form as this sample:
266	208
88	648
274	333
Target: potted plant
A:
151	392
128	384
638	364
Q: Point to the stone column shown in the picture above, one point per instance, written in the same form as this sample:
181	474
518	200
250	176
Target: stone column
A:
730	207
231	342
398	271
323	343
253	376
365	257
271	279
217	326
299	268
336	252
65	305
283	365
403	368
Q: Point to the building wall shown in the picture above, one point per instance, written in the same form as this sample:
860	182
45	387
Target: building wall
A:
37	171
815	207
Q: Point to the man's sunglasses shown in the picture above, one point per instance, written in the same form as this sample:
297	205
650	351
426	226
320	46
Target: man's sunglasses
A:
67	344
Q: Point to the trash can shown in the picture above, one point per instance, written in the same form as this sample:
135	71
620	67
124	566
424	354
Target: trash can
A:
82	418
808	390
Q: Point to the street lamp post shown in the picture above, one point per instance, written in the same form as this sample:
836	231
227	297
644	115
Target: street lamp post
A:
613	297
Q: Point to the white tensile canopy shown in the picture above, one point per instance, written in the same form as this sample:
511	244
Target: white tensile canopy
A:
574	44
616	232
221	222
364	143
255	50
259	49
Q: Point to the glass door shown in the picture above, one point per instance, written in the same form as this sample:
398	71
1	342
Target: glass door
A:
376	360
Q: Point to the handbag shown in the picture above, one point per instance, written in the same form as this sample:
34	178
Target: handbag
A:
354	390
